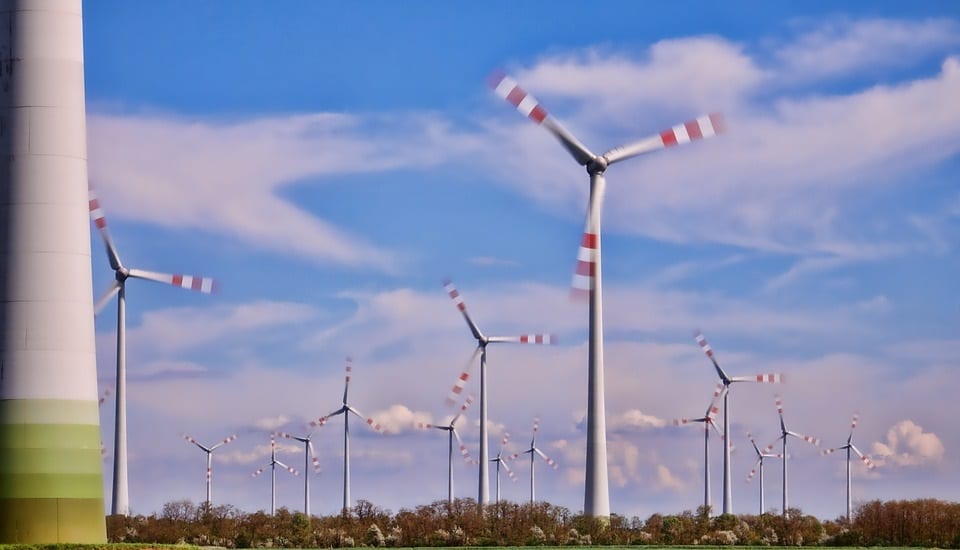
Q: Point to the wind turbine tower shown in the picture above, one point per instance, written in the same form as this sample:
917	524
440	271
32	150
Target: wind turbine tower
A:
784	434
709	422
501	461
308	455
451	430
757	469
587	279
51	480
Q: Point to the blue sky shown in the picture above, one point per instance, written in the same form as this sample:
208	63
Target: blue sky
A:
330	163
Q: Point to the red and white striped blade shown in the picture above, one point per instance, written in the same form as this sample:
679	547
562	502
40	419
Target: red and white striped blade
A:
773	378
374	425
313	456
779	403
423	426
550	462
505	440
827	452
700	128
463	409
544	339
864	458
318	422
462	306
514	456
585	273
753	471
708	351
508	89
111	291
510	473
463	449
853	423
224	442
714	408
808	438
717	429
205	285
99	220
290	469
258	472
454	396
348	368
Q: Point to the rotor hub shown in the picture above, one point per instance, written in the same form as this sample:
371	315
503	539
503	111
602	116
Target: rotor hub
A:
121	274
597	166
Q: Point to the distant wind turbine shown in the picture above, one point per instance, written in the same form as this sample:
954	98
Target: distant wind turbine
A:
308	453
209	451
451	434
784	434
346	410
121	502
273	474
501	461
709	420
863	458
587	278
482	342
727	381
765	453
534	451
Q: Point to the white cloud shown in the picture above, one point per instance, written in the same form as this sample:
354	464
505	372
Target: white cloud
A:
667	480
843	46
633	420
907	445
271	423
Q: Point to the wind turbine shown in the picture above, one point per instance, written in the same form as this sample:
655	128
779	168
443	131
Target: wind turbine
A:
308	453
864	458
121	503
346	410
533	451
588	275
209	451
273	474
482	341
758	467
784	433
727	381
451	434
502	462
708	420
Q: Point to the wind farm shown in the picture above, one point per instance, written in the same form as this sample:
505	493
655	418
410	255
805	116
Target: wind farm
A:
808	224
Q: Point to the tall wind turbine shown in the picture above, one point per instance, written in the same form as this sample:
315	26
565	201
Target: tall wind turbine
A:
588	275
501	461
758	467
209	451
784	434
482	341
307	455
709	420
534	451
451	434
864	458
121	503
273	473
346	410
727	381
48	385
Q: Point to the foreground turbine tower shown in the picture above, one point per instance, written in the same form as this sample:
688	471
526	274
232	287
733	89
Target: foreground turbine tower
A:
587	279
51	484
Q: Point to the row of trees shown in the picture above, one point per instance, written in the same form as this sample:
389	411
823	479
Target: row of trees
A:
929	523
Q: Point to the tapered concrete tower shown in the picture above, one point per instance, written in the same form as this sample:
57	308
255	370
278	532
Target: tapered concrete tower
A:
51	484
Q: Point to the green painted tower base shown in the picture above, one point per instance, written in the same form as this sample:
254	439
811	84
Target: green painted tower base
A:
50	472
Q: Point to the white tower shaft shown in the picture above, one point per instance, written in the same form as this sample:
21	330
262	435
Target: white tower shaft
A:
484	490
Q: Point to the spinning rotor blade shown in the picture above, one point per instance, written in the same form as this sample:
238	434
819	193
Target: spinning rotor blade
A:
454	396
585	274
463	449
205	285
224	442
550	462
700	128
705	346
313	456
462	306
112	291
864	458
99	220
547	339
508	89
463	409
346	384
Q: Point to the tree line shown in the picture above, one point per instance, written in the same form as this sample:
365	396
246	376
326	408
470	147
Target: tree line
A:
926	523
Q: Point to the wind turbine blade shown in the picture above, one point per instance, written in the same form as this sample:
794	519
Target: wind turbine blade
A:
370	421
205	285
550	462
320	421
258	472
112	291
346	384
463	449
508	89
463	409
99	220
753	471
224	442
717	429
290	469
827	452
585	273
714	409
863	458
776	378
454	396
462	306
705	346
195	442
548	339
754	443
700	128
809	439
313	456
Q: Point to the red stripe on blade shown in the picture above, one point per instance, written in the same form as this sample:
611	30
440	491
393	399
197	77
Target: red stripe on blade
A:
516	95
693	130
668	137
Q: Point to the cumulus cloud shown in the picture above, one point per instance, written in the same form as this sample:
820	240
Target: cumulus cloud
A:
633	420
665	479
399	418
271	423
907	445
